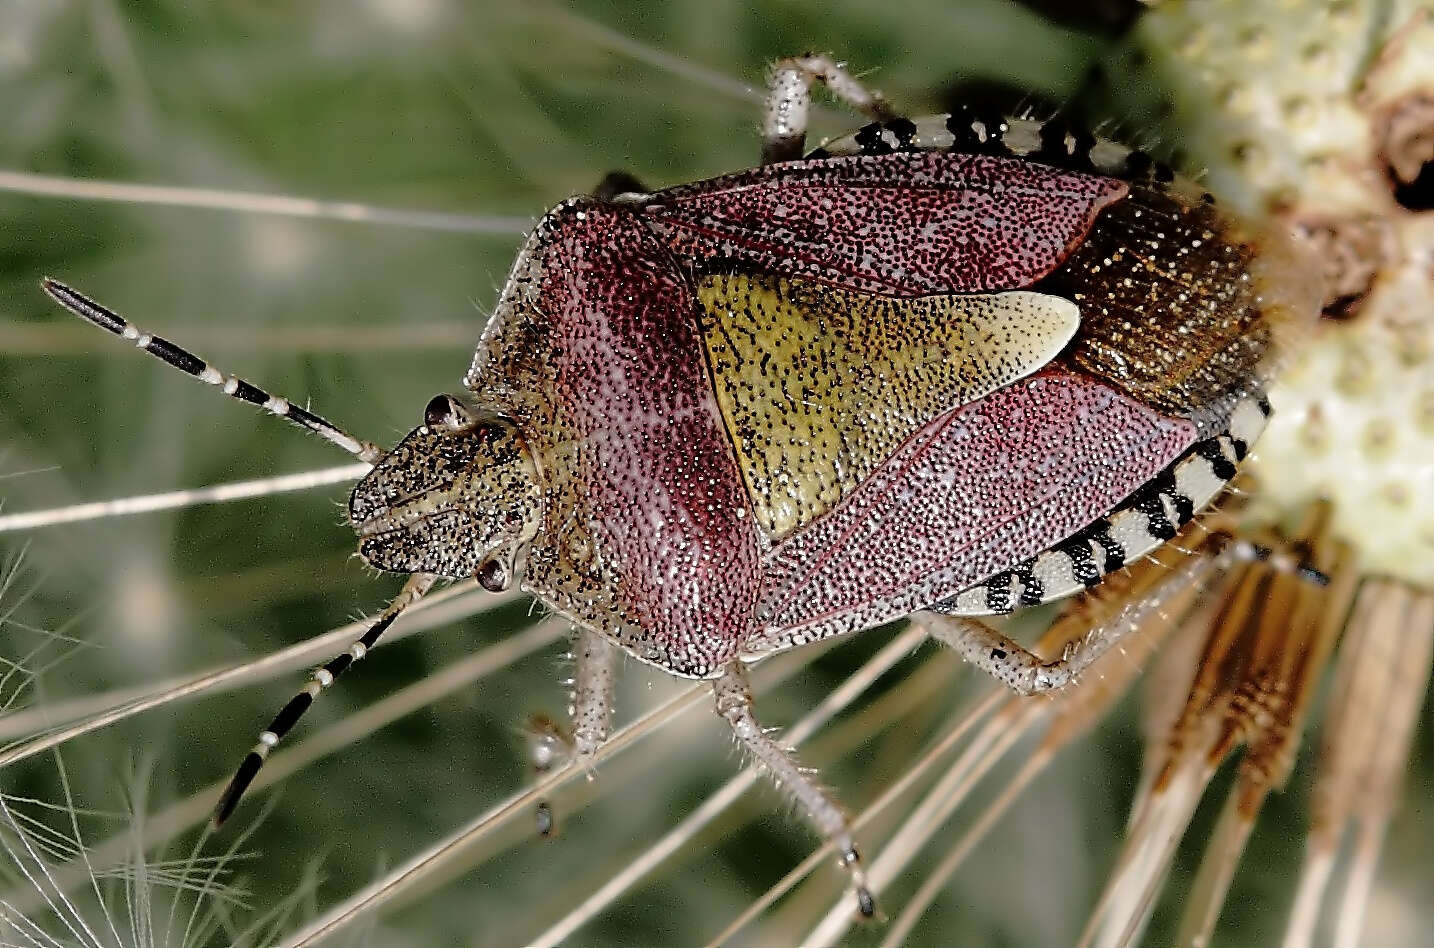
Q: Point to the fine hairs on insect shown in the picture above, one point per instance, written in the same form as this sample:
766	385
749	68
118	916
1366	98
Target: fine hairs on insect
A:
947	367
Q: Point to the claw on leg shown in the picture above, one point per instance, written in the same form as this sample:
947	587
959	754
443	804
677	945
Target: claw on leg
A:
549	746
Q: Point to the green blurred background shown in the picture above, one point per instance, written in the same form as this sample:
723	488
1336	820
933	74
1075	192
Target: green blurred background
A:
475	108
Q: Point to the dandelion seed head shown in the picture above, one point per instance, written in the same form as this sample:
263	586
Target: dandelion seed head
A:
1307	145
1360	444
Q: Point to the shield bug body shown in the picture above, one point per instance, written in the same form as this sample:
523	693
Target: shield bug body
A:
956	366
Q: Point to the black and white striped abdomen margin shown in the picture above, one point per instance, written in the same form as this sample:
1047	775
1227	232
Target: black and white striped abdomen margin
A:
1142	522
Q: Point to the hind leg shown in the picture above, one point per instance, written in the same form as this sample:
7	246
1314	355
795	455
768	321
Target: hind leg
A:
1027	673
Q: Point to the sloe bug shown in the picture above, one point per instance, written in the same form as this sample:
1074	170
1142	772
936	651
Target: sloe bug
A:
955	366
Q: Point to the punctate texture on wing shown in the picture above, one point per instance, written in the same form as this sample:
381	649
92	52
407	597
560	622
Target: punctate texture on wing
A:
819	385
902	224
978	489
594	352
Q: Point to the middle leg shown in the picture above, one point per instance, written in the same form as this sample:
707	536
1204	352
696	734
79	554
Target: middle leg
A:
734	705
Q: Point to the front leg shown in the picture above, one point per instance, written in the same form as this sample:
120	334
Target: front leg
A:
789	102
589	716
734	705
594	680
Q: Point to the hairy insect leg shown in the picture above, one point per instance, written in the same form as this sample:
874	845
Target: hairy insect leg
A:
789	101
589	716
594	679
1027	673
1011	663
418	584
734	705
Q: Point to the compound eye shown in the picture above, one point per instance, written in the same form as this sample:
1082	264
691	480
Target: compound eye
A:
444	412
493	575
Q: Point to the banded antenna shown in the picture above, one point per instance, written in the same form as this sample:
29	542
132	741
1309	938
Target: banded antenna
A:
186	361
418	584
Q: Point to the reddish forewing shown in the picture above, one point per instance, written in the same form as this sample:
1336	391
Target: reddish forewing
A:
976	491
904	224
